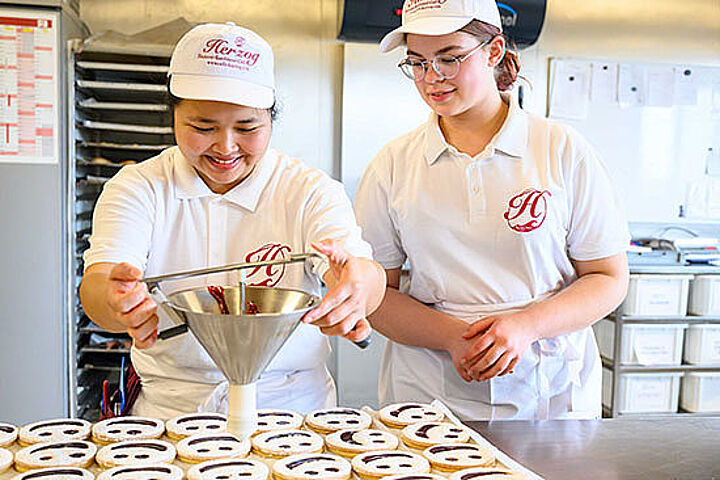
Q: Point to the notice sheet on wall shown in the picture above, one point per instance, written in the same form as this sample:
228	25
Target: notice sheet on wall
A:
28	87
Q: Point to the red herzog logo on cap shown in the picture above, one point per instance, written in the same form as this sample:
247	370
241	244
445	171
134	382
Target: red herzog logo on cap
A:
269	275
222	49
527	211
413	6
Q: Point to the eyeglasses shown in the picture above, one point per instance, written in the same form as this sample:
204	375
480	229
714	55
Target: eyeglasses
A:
446	66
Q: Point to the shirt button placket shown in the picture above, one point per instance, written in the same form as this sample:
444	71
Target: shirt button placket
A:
477	204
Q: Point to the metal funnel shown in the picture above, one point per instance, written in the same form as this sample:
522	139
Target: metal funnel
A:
242	345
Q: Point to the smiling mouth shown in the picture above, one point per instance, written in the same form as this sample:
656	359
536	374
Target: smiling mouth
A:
223	163
441	93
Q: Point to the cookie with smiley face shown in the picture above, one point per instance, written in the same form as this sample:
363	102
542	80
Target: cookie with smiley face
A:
416	476
135	452
330	420
6	459
245	469
211	446
56	430
374	465
487	473
127	428
427	434
349	443
451	457
8	434
194	423
400	415
143	472
281	443
312	466
76	453
56	473
274	419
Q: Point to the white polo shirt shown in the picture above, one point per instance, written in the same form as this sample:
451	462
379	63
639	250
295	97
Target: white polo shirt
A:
161	217
488	234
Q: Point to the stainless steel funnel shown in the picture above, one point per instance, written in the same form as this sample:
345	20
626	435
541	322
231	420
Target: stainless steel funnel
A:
241	345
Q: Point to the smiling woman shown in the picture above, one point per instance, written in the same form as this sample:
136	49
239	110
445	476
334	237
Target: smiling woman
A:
223	196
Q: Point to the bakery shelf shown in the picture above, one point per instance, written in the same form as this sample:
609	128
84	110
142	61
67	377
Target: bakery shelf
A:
122	67
685	367
125	146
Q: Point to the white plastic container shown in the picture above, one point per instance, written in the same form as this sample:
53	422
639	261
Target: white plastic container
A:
704	295
642	344
656	295
643	392
701	392
702	344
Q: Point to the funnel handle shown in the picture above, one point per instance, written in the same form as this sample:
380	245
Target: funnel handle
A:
363	344
159	297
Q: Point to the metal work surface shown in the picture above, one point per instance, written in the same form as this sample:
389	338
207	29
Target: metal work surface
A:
616	448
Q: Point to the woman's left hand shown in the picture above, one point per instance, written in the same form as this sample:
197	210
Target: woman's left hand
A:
500	343
356	288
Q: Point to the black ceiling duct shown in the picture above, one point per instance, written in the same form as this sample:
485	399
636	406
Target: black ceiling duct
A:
370	20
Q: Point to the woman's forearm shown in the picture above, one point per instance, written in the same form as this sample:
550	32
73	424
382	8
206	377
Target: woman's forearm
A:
93	296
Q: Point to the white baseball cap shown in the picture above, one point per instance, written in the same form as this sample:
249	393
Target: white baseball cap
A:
225	63
440	17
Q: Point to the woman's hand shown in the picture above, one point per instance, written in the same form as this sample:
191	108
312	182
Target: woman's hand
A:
356	288
498	342
130	304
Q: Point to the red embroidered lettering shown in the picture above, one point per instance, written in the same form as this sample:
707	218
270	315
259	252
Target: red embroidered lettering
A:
527	211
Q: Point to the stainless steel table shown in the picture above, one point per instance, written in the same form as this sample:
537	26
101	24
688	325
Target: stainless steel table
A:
618	448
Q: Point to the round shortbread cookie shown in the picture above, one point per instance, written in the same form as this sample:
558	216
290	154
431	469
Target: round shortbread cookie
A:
330	420
56	430
245	469
127	428
450	457
400	415
487	473
372	465
8	434
273	419
77	453
6	459
427	434
281	443
159	471
416	476
349	443
194	423
135	452
312	466
60	473
211	446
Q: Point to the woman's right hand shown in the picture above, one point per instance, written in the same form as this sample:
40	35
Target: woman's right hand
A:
130	304
457	350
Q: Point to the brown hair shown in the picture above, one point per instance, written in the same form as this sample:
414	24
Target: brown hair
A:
506	72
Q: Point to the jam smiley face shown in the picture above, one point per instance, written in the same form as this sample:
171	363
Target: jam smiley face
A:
235	469
389	462
127	428
287	442
403	414
8	434
487	473
333	419
416	476
211	446
194	423
451	457
143	472
135	452
77	453
57	430
271	419
310	466
350	442
61	473
426	434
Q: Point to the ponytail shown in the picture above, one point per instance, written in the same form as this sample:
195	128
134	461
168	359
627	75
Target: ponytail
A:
506	72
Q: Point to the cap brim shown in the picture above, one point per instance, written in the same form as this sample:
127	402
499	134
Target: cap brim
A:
221	89
423	26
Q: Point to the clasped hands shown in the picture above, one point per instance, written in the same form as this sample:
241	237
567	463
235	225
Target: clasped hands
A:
492	346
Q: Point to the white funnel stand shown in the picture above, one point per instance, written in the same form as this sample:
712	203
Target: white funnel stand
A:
242	411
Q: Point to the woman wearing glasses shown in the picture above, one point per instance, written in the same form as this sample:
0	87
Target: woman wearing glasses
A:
511	227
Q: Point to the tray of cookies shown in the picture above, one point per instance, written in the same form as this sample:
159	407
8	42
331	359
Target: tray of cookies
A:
405	441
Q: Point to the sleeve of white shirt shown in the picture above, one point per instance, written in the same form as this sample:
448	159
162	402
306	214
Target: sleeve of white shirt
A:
329	215
122	221
598	228
372	207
